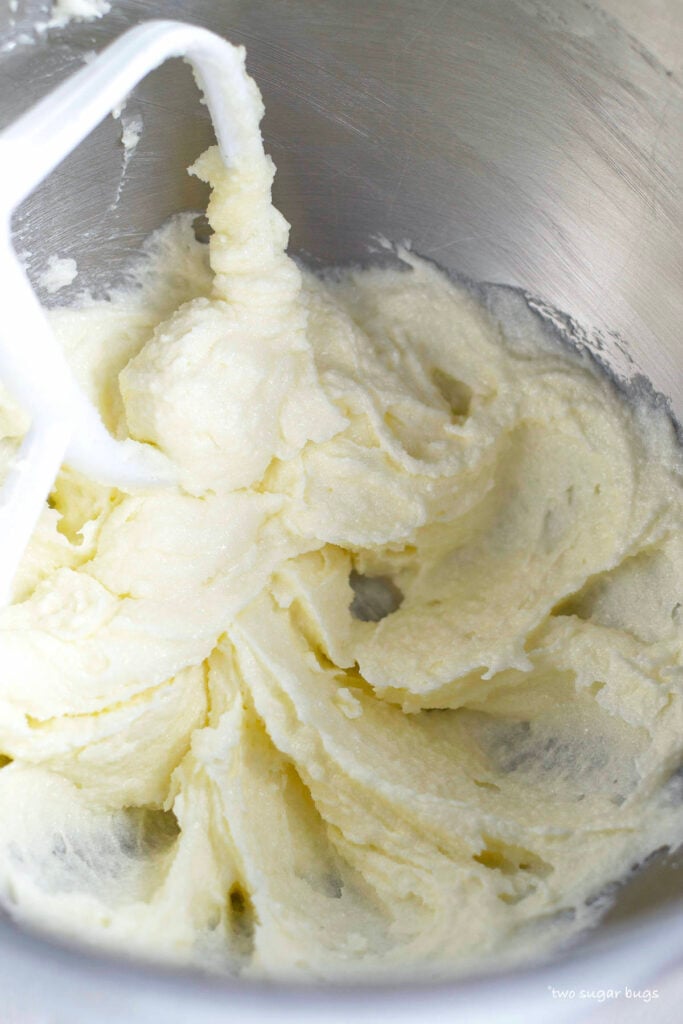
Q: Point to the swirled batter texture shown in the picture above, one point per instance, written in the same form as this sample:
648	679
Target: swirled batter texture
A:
393	678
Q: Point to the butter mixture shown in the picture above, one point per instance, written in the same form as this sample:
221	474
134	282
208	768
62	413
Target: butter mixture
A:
392	679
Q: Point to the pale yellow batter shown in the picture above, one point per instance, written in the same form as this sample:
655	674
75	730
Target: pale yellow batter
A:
393	679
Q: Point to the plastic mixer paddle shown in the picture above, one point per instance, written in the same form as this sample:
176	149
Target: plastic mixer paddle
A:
65	427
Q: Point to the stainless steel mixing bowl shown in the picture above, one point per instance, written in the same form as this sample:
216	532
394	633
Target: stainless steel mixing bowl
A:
530	142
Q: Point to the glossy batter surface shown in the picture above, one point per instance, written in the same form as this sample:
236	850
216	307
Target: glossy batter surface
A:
393	679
